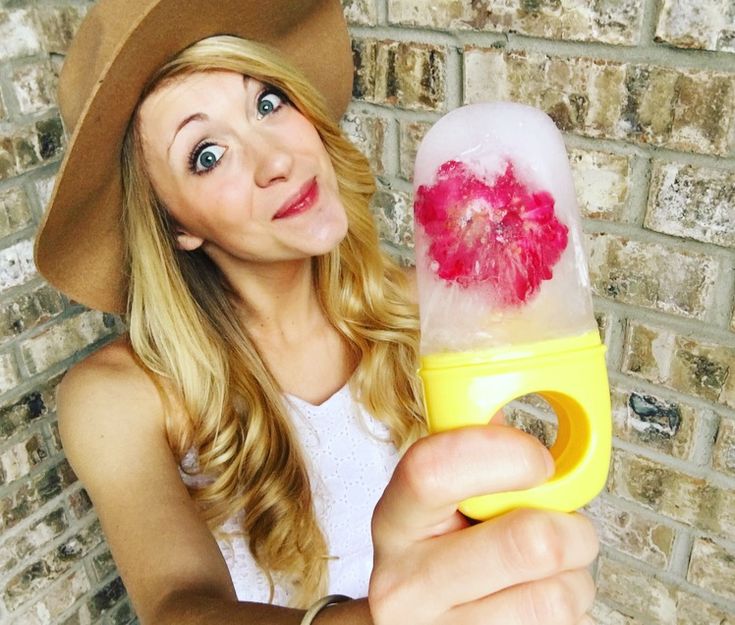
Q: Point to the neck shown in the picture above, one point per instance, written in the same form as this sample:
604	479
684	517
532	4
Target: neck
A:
277	299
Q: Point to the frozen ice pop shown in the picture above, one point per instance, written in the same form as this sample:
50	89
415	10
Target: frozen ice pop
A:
504	295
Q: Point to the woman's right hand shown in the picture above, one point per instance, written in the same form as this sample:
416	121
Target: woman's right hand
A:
433	567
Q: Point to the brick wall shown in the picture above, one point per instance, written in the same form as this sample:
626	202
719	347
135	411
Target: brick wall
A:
644	91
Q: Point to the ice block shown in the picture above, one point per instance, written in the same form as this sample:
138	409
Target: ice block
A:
504	294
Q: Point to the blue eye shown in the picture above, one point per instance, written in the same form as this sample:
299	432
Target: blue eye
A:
205	157
269	102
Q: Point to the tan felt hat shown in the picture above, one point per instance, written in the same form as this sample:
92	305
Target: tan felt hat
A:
119	45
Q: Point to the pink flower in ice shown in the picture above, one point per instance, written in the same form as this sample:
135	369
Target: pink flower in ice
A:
503	234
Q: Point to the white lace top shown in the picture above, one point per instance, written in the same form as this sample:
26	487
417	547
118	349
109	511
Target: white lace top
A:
350	460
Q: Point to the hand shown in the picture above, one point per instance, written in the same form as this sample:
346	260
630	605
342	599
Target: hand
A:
434	567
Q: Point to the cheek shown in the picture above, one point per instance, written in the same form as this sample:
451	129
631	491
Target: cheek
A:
230	201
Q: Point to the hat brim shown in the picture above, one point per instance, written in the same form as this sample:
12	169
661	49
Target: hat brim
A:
79	246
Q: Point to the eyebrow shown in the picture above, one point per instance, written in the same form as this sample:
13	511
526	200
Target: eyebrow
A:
190	118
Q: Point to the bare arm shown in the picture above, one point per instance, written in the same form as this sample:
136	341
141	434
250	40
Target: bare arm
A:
431	566
111	426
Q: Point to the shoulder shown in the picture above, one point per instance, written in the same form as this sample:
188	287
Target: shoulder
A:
108	392
111	373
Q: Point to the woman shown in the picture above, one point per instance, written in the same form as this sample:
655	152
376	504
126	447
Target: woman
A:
236	441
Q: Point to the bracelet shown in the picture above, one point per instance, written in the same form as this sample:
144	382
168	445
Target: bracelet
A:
318	606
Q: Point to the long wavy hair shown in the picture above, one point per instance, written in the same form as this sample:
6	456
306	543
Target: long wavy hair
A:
185	331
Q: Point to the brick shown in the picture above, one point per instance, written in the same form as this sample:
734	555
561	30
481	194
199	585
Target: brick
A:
637	592
61	596
79	617
58	25
703	369
29	409
18	34
704	25
394	213
581	95
80	545
410	135
15	211
19	459
602	183
106	598
712	567
33	494
367	132
617	23
702	113
651	421
692	202
605	615
544	429
64	339
679	109
34	146
681	363
80	503
681	497
35	88
406	75
693	610
44	188
54	437
360	12
631	533
29	310
690	610
26	150
652	275
9	377
17	548
723	455
53	565
50	136
123	614
8	162
103	565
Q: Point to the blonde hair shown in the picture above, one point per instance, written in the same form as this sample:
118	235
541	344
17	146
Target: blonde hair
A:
184	329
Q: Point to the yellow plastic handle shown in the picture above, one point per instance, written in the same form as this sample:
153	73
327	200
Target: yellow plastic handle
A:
469	388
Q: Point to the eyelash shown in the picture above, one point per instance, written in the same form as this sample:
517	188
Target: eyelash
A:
200	147
194	156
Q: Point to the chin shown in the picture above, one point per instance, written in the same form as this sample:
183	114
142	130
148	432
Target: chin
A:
322	238
327	246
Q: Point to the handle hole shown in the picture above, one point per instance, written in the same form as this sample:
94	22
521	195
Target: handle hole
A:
534	415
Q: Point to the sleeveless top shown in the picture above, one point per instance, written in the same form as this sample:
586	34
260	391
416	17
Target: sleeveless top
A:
350	460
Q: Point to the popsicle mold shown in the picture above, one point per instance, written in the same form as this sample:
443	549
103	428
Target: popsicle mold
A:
498	238
504	294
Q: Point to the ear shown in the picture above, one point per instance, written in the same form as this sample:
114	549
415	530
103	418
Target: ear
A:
187	242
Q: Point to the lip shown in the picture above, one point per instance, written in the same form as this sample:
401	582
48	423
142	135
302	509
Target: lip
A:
301	201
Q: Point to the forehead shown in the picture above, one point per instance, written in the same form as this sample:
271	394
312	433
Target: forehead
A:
180	96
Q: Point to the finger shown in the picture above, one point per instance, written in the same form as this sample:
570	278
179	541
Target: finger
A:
586	620
515	548
499	418
559	600
440	470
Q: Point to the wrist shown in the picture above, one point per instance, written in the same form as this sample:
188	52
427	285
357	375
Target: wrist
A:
322	604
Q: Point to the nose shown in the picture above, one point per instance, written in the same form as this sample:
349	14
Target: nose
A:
274	161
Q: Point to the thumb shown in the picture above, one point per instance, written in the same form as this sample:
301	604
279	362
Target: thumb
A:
441	470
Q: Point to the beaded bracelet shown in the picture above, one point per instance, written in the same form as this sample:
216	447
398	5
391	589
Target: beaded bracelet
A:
318	606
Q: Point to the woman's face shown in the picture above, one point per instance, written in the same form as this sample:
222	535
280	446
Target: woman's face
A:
242	172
